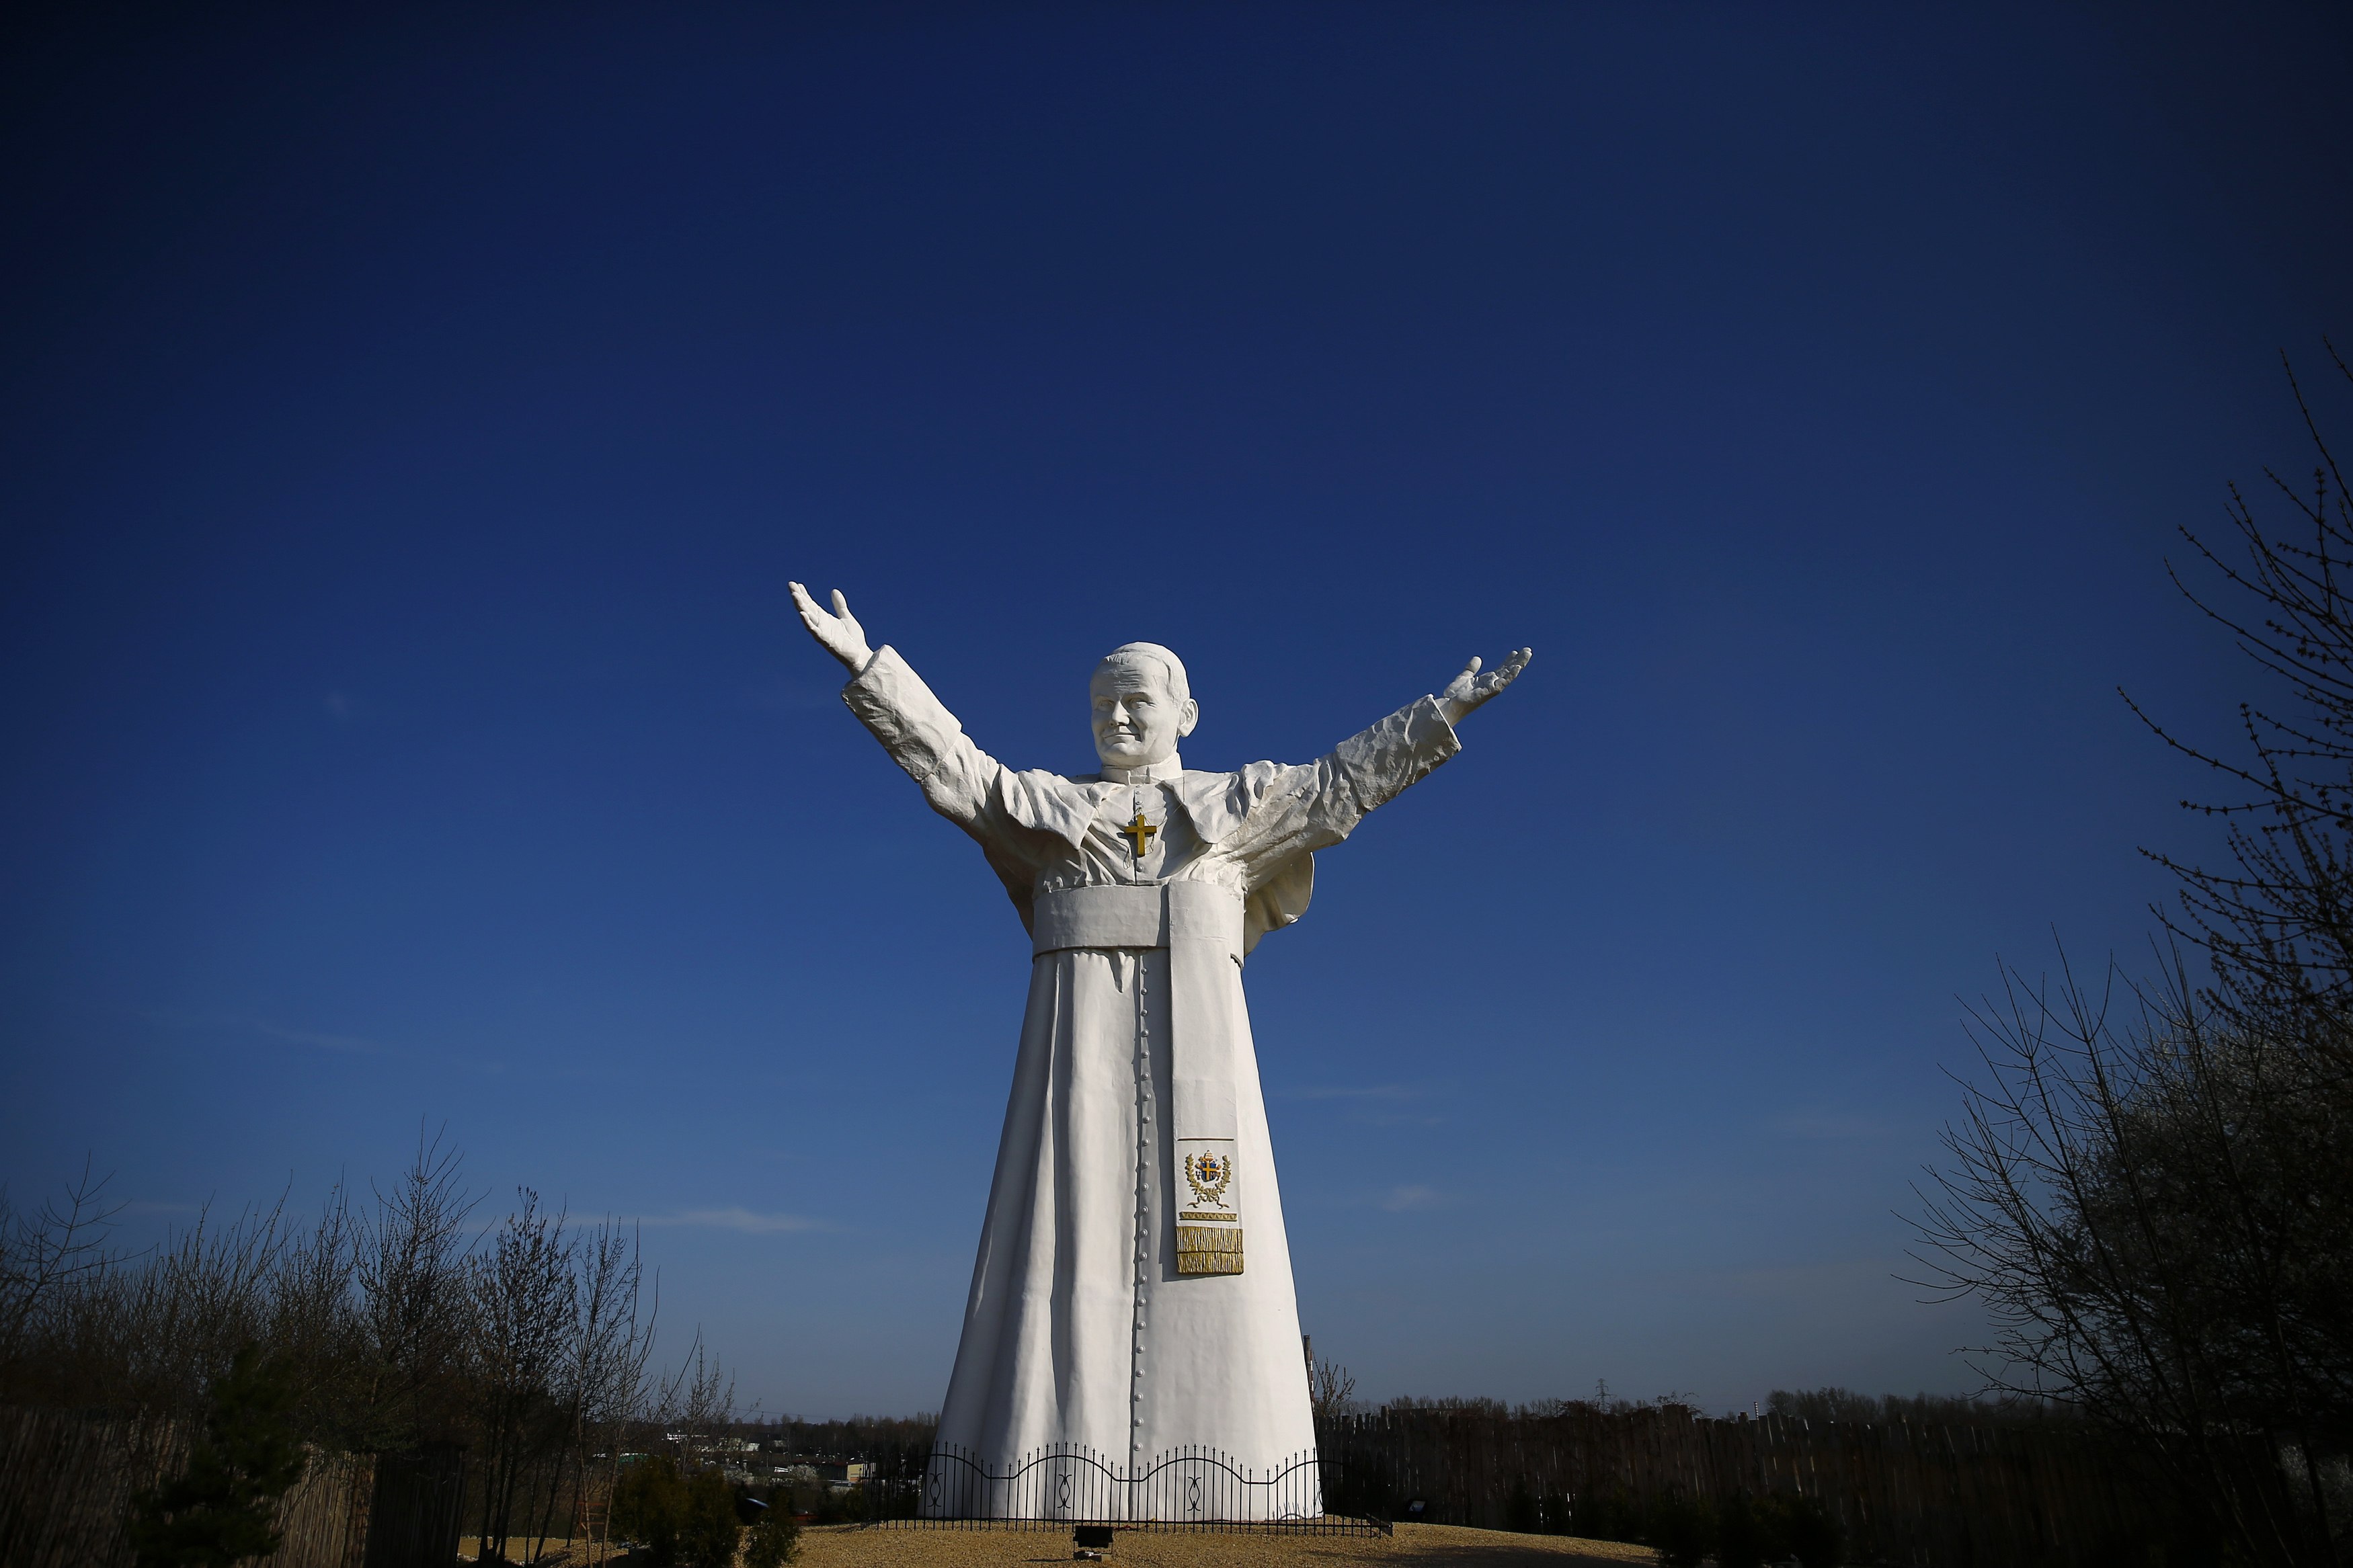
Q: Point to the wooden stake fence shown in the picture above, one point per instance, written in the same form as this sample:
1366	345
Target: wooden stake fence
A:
67	1479
1916	1495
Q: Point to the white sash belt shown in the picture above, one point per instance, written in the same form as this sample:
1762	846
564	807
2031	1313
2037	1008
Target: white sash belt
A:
1114	914
1201	924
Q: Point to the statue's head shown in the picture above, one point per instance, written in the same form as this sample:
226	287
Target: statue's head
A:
1142	705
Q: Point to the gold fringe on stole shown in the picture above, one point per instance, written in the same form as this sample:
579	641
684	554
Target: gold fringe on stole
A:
1208	1249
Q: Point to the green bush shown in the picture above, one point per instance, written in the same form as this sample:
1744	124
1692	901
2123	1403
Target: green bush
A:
648	1503
1799	1526
682	1521
773	1542
1743	1539
224	1507
1683	1529
831	1507
1751	1531
1606	1516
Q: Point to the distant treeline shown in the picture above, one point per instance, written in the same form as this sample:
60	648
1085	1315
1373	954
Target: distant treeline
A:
886	1439
1832	1404
1921	1410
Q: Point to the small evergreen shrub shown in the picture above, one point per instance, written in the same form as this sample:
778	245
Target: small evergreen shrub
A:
773	1542
1800	1527
1682	1529
683	1522
224	1507
1606	1516
1743	1540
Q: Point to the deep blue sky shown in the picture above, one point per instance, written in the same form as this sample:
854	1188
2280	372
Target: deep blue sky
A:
408	421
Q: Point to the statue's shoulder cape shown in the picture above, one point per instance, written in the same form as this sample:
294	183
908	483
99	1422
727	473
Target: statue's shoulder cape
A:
1216	805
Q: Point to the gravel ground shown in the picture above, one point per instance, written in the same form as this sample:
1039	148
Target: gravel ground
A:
1413	1546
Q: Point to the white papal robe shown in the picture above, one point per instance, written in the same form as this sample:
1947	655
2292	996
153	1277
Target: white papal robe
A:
1081	1333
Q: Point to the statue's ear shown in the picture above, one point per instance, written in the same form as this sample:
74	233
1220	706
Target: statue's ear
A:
1187	717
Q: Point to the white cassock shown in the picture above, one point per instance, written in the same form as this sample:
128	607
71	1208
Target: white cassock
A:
1133	1295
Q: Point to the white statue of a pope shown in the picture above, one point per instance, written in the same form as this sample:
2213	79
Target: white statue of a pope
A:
1132	1296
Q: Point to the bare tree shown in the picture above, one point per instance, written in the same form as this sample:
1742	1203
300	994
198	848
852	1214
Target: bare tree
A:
2151	1186
2125	1194
2278	919
694	1404
390	1329
606	1378
525	1313
313	1328
1331	1388
179	1322
44	1251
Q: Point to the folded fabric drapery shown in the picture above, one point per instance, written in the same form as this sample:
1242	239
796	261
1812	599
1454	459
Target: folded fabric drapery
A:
1201	924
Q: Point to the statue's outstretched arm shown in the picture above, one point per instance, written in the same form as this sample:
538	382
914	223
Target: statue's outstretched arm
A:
840	635
963	782
1375	765
1463	693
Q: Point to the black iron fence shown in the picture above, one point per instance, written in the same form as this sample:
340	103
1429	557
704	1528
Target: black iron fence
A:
1065	1486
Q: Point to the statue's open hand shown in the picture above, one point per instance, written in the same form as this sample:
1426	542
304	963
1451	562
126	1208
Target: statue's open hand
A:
839	633
1470	689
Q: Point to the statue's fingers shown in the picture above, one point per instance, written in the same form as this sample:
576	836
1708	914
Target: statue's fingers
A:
840	605
1504	674
1471	667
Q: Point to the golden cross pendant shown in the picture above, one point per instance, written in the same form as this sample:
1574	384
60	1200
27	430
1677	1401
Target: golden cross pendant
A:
1139	833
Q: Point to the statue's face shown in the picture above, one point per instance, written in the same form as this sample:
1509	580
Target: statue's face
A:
1137	720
